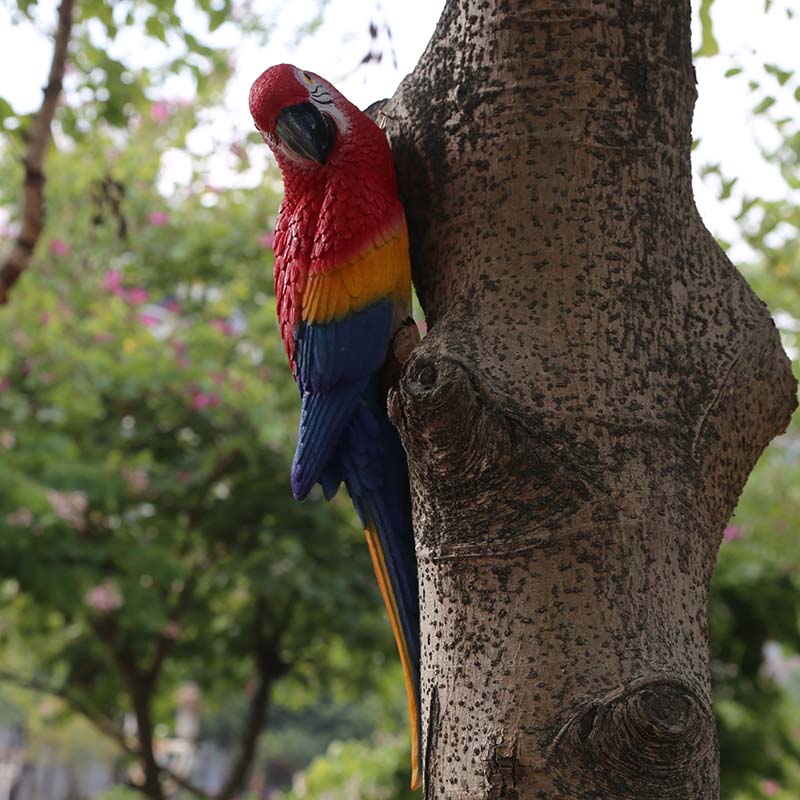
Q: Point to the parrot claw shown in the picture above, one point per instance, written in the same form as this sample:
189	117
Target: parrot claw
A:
401	345
405	340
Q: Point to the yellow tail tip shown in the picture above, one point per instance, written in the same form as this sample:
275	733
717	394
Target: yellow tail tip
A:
385	585
415	779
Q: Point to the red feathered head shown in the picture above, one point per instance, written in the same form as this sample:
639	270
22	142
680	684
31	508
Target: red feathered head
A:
300	115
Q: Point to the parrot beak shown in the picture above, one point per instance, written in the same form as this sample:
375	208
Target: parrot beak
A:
306	131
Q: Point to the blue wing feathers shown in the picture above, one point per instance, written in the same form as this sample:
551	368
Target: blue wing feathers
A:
335	363
324	417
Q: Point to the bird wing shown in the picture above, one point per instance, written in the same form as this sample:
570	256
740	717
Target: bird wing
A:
348	316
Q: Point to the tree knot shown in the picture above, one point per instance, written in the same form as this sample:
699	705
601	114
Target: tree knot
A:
645	740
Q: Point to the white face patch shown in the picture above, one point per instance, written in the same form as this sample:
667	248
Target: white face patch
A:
320	95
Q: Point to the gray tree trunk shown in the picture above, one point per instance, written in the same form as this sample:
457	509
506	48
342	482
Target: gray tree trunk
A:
597	383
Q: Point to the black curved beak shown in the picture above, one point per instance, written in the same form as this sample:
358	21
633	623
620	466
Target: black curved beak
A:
306	131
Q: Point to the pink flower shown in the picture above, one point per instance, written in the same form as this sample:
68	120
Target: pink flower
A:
102	338
112	282
136	296
157	218
731	534
160	112
136	478
222	326
58	247
21	517
198	400
173	306
7	439
201	400
44	317
5	384
171	630
770	788
148	320
267	239
70	506
218	377
104	597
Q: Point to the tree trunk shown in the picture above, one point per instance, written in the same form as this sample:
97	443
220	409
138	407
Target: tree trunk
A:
597	383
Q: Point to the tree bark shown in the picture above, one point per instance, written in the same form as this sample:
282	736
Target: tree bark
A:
597	383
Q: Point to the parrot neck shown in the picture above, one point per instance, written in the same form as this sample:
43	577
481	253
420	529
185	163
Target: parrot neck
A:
348	206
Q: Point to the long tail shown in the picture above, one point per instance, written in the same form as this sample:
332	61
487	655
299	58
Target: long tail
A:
408	659
376	476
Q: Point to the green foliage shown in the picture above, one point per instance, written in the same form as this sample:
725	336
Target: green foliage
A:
147	424
149	418
372	770
120	793
708	45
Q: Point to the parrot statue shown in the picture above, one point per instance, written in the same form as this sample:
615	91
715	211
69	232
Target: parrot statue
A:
343	291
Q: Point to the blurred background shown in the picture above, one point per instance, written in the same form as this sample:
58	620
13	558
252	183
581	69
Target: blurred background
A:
157	582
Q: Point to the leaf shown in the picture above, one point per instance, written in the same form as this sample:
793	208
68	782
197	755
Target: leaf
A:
155	28
5	110
727	188
764	105
708	44
25	7
782	75
732	71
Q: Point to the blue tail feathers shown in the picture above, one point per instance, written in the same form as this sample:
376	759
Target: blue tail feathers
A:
372	463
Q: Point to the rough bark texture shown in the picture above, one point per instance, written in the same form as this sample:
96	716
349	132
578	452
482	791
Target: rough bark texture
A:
597	383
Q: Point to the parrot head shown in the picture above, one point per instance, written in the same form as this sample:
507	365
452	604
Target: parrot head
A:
300	115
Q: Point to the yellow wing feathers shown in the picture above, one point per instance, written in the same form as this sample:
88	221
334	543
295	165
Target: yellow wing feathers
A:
380	271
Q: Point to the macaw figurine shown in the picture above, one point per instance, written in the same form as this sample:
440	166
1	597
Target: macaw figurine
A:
343	288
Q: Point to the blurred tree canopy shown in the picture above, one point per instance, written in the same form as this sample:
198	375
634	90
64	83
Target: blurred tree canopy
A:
148	537
147	418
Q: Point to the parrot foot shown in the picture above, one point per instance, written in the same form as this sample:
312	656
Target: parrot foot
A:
405	340
401	345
